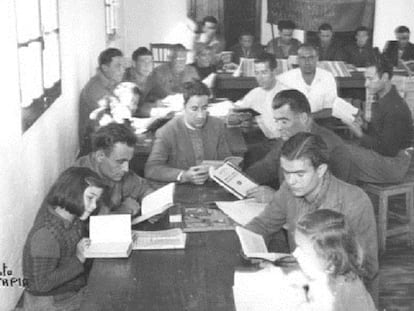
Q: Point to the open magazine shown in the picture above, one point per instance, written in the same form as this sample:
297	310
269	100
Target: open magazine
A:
231	178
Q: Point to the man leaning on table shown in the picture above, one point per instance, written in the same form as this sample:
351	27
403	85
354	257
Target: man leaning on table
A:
113	148
291	113
318	85
308	186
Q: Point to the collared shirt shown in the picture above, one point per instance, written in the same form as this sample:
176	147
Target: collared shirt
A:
130	186
321	93
390	129
285	209
196	140
261	101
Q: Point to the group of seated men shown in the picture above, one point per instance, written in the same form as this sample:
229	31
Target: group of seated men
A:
317	170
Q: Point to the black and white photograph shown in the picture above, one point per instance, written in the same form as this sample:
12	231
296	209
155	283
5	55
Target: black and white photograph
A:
207	155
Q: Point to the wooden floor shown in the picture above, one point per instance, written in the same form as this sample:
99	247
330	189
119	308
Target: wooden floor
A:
397	276
397	271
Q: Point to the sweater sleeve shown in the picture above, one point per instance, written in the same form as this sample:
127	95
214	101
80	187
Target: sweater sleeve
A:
156	167
48	273
223	149
137	187
362	221
273	218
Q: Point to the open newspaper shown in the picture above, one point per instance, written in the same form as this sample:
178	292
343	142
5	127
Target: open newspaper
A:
156	203
110	236
232	179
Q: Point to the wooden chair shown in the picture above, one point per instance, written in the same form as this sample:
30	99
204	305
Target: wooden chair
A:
384	192
161	52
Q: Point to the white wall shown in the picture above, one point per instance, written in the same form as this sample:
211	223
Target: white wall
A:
151	21
388	16
29	163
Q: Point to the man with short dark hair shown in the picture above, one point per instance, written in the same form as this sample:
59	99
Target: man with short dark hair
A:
382	155
141	74
260	98
284	45
309	186
360	53
113	148
328	47
401	49
209	34
291	113
318	85
109	73
246	47
171	76
186	141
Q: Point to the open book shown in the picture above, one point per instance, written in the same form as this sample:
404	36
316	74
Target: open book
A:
232	179
343	110
156	203
110	236
409	66
163	239
254	247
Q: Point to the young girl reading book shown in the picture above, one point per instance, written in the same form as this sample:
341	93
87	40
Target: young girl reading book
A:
330	257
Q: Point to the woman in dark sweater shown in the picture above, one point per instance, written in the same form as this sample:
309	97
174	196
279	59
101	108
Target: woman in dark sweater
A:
53	256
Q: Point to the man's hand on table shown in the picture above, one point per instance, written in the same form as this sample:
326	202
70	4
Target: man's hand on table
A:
262	194
196	175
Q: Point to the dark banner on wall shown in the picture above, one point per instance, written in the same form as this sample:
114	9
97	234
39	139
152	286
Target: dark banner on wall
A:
343	15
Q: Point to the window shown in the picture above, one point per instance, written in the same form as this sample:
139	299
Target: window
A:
111	19
38	48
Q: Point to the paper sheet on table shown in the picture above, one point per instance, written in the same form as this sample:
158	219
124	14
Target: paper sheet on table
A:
343	110
163	239
156	203
174	102
242	211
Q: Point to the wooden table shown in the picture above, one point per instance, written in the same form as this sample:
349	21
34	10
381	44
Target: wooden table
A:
227	81
199	278
236	87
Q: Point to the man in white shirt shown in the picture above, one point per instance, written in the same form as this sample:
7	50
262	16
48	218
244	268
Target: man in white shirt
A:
318	85
260	98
